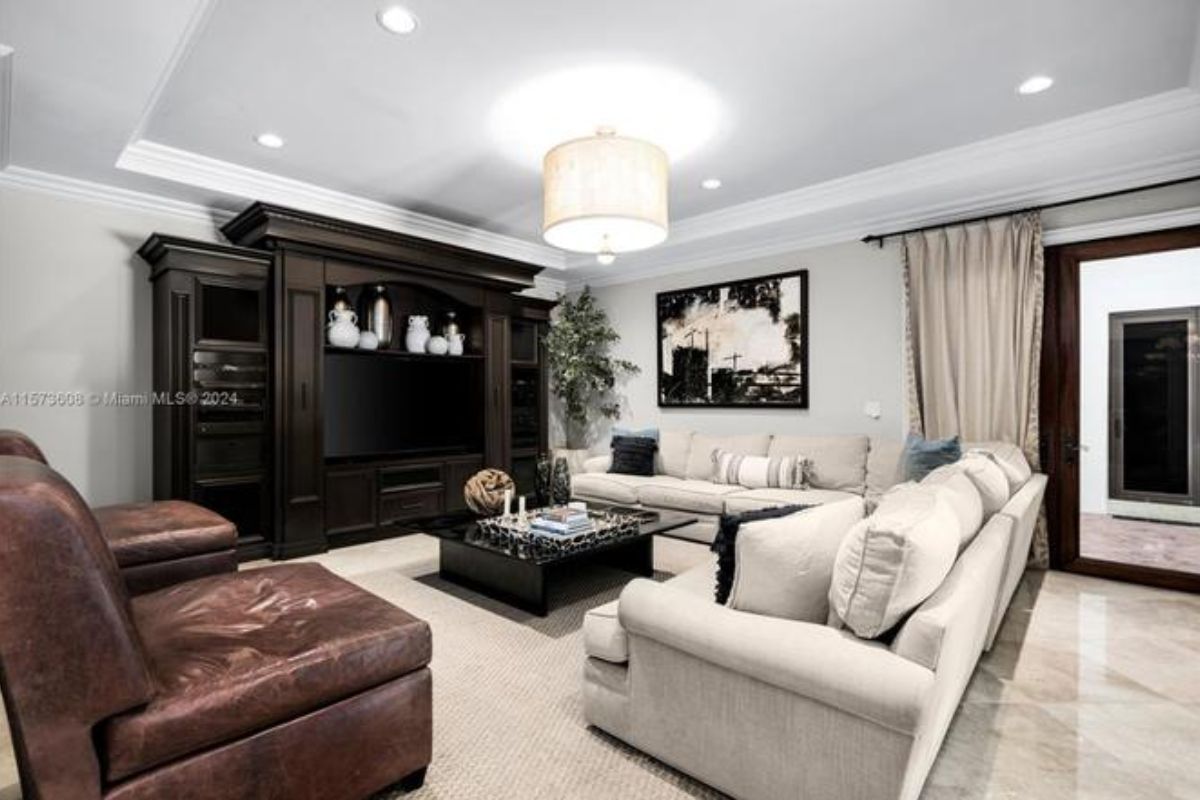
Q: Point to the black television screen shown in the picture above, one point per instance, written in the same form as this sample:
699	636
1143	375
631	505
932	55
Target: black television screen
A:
377	405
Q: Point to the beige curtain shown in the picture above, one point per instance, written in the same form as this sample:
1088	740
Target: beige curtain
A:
974	337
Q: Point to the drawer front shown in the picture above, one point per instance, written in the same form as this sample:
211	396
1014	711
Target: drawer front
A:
405	506
221	455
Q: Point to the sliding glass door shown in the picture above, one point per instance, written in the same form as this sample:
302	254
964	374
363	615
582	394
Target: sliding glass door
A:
1154	379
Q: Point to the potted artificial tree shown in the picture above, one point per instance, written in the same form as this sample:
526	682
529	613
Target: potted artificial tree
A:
583	374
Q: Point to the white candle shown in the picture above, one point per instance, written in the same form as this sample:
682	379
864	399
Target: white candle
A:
508	495
521	506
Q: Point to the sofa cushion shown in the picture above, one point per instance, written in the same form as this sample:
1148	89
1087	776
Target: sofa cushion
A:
785	565
603	636
892	561
960	494
700	454
988	478
233	654
698	580
673	450
754	499
759	472
612	487
633	455
1009	458
883	466
836	462
143	533
724	544
702	497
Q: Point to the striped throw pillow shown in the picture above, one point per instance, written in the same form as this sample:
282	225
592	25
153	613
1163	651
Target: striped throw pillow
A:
760	472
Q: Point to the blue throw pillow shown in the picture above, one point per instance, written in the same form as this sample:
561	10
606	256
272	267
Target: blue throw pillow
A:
643	433
923	456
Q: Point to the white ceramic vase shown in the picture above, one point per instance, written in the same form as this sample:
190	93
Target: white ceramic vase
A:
367	340
455	341
418	334
342	330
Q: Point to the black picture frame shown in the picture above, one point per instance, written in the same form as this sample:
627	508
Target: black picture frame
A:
789	387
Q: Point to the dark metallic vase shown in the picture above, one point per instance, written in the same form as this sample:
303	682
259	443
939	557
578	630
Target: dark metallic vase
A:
545	471
560	482
379	315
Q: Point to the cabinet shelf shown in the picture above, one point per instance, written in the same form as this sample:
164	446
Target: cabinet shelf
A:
400	354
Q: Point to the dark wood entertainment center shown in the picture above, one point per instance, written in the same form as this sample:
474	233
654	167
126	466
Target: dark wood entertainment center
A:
247	321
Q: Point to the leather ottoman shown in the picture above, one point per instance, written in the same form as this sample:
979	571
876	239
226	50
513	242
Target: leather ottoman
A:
155	544
166	542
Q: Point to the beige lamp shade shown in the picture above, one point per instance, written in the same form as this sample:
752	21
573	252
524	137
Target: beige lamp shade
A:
605	194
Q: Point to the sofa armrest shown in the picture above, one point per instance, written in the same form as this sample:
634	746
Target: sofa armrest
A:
599	463
817	662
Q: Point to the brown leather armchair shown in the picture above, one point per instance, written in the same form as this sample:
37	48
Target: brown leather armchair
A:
155	544
283	682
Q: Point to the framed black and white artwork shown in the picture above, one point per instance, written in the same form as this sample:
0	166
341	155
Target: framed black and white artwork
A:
735	345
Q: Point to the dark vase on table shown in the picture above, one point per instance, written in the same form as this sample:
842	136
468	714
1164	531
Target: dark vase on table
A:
545	471
560	482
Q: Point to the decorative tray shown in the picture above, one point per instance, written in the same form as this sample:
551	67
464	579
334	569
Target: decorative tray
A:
515	537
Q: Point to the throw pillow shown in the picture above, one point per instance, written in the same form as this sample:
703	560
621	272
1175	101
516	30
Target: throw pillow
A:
922	456
633	455
785	565
725	544
759	472
960	494
639	433
891	562
988	478
1009	458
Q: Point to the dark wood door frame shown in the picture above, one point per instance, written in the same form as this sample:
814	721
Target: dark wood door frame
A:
1059	412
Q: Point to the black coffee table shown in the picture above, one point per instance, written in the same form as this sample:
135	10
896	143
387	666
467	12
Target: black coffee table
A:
522	581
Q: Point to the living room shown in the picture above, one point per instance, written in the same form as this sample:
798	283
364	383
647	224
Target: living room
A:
528	399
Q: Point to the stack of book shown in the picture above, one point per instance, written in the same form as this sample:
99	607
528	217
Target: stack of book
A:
561	521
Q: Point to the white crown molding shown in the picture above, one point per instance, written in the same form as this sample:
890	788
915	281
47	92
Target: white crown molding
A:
6	68
76	189
160	161
948	167
1144	223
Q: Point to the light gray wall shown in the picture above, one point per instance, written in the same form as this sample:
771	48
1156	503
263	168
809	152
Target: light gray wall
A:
855	344
75	317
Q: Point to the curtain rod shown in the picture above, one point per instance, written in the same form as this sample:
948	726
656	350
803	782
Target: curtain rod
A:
878	238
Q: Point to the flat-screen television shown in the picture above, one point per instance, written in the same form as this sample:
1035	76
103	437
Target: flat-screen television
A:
381	405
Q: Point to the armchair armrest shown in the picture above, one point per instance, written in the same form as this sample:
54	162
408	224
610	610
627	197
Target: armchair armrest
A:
817	662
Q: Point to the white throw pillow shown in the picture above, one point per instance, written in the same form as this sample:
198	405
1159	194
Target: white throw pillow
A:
1008	457
960	494
891	562
700	454
759	472
784	565
988	478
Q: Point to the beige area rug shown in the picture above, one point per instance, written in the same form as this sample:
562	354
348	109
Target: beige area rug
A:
508	718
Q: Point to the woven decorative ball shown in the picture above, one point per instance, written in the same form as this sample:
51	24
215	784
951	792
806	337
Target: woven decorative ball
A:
484	492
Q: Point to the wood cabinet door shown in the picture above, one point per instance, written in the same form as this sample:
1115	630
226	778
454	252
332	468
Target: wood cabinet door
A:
498	422
300	282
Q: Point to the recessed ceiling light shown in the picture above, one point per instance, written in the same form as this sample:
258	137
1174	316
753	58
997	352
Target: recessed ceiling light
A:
711	183
1038	83
397	19
271	140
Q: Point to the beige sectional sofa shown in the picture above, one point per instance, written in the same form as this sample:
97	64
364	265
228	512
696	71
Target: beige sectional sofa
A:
841	467
766	707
